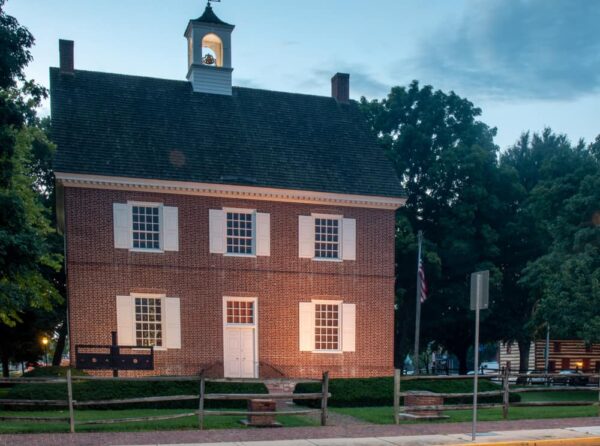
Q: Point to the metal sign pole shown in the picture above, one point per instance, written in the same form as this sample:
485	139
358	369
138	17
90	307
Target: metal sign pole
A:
480	286
476	364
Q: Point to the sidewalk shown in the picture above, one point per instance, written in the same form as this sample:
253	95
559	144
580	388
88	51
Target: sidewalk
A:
576	431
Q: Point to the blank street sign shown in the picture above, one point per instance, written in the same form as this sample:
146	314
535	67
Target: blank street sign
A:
480	289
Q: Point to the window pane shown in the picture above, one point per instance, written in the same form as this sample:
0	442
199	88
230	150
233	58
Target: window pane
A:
240	312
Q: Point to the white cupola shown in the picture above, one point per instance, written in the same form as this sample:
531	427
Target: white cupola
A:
209	53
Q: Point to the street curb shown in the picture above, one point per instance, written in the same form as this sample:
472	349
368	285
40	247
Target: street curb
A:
583	441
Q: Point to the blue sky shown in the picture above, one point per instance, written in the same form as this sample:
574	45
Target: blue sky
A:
526	63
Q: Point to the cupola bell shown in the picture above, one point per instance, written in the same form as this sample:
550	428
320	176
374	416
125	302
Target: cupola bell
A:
209	53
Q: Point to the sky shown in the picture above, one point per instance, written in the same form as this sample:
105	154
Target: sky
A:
527	64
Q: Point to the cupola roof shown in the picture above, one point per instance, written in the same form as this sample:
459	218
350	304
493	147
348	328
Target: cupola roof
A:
209	16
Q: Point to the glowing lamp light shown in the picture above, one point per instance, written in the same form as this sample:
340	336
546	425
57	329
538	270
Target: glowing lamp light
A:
45	340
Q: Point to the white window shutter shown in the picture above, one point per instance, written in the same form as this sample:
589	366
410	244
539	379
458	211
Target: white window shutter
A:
171	228
306	237
307	326
125	320
172	327
263	234
217	222
349	239
122	225
349	327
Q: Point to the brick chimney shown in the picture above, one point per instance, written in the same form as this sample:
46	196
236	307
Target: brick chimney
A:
340	87
67	58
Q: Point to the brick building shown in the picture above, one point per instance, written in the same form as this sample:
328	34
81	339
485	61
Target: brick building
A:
241	231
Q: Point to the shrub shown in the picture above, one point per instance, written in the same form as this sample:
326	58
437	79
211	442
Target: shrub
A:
53	371
106	390
364	392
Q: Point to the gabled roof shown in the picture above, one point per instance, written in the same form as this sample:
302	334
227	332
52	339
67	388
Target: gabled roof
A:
140	127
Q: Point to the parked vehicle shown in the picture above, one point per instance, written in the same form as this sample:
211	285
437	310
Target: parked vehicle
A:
537	379
571	378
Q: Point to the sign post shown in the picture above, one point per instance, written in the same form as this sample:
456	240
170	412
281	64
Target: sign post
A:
480	284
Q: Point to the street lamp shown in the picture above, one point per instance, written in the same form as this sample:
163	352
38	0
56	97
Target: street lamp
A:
45	344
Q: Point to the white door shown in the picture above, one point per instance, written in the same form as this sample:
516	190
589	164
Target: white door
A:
239	352
240	356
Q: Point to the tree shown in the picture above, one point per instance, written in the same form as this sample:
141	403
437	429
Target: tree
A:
543	169
568	275
24	223
446	160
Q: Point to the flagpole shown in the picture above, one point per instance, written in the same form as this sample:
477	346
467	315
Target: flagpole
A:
418	307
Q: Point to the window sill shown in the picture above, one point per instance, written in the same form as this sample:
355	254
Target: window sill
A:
328	352
322	259
150	251
229	254
144	349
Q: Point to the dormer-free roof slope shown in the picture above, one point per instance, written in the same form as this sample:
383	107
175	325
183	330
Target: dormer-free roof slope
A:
140	127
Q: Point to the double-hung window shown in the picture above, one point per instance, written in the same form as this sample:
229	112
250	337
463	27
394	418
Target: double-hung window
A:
240	233
327	327
148	322
150	227
146	226
327	238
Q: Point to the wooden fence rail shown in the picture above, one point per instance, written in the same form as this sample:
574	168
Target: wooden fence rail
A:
202	396
506	390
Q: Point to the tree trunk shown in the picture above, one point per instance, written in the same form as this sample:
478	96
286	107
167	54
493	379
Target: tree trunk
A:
60	344
524	346
4	358
461	356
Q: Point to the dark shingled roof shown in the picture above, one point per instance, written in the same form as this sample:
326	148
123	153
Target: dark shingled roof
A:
140	127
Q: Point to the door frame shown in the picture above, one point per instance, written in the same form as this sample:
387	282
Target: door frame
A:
253	327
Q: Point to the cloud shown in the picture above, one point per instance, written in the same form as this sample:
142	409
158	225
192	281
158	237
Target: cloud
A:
362	83
531	49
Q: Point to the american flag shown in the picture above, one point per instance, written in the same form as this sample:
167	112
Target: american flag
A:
422	282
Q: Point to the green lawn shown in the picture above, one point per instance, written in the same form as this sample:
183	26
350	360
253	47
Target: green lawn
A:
210	422
560	396
385	415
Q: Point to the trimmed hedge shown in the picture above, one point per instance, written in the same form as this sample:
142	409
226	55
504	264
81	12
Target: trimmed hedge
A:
52	372
106	390
368	392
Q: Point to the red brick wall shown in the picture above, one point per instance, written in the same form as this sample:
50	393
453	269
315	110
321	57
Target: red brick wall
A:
97	272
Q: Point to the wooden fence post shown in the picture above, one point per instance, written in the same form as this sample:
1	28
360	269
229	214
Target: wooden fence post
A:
70	402
397	396
505	392
599	393
201	402
325	392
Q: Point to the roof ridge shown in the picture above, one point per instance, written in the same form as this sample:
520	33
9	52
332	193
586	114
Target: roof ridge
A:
183	81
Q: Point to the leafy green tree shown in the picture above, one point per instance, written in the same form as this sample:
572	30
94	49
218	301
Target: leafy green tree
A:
542	170
28	256
568	275
446	160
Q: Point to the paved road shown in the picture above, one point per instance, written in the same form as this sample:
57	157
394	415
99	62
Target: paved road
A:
237	435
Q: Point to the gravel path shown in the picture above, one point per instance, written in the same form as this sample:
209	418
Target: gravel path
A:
346	431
